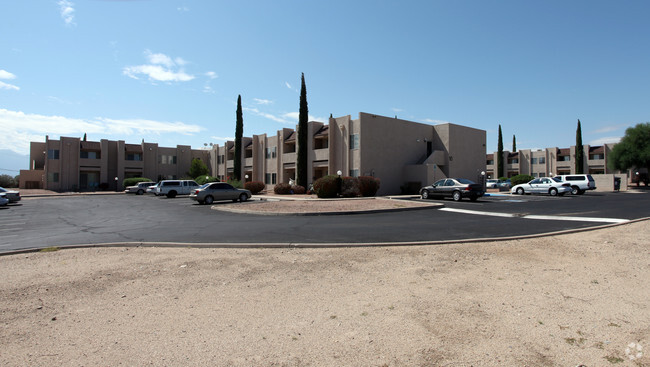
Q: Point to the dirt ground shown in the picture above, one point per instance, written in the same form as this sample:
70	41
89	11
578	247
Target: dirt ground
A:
565	300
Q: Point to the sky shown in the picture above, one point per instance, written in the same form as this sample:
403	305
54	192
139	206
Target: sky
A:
170	71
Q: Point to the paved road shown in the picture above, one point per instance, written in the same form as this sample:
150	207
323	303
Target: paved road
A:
57	221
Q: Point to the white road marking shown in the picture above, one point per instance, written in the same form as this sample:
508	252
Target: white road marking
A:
543	217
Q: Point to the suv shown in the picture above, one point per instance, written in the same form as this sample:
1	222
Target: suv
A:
138	189
171	188
579	183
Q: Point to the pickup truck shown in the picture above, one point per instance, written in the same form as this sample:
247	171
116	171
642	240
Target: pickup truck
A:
171	188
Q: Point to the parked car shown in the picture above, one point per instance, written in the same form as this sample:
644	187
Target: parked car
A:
171	188
12	195
492	183
506	184
215	191
542	185
152	189
579	183
138	189
455	188
3	200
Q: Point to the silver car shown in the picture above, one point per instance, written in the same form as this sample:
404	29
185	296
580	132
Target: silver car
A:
542	185
12	195
138	189
211	192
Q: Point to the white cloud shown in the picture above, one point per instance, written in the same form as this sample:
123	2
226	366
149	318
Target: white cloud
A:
8	86
397	109
269	116
431	121
161	68
67	11
224	139
288	85
606	140
183	9
262	101
4	74
610	128
21	128
211	75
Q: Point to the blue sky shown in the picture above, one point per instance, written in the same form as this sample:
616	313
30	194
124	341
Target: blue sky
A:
169	71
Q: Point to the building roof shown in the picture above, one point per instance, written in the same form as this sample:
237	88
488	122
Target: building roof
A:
135	148
291	137
564	151
597	150
323	131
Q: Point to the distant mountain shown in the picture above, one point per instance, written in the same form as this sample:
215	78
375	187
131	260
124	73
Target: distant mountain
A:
11	162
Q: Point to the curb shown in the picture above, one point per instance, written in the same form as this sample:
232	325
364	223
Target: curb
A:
319	245
314	214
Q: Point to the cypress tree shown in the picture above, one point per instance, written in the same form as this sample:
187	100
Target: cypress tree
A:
580	154
303	137
514	144
500	165
239	132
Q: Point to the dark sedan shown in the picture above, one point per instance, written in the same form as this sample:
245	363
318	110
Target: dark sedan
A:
455	188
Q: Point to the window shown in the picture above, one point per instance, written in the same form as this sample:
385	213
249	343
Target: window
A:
354	173
490	162
135	157
513	161
271	152
270	178
533	161
53	154
167	159
596	156
53	176
540	160
354	141
89	155
563	158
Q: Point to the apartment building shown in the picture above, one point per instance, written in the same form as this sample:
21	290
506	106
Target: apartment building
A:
550	161
71	164
404	155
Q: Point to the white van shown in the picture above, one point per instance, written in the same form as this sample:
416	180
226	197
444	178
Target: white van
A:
171	188
579	183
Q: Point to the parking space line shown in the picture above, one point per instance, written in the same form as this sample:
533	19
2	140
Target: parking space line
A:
542	217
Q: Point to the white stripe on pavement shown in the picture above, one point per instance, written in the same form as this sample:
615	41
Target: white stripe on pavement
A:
543	217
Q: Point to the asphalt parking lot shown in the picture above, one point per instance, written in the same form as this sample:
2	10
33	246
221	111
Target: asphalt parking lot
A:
98	219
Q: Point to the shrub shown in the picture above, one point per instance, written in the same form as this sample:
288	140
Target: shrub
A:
134	181
298	190
327	187
368	186
282	189
503	178
205	179
254	187
519	179
350	187
235	183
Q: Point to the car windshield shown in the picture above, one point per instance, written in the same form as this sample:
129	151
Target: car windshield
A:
556	179
205	185
465	181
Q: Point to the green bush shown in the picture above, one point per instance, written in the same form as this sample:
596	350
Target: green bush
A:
350	187
235	183
254	187
327	187
519	179
134	181
298	190
282	189
8	181
368	186
503	178
204	179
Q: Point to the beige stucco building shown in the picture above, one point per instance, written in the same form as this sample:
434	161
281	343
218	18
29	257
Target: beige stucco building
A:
404	155
70	164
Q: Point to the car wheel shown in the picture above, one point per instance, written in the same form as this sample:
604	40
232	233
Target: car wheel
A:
520	191
580	192
575	190
140	192
456	196
552	191
171	194
243	197
208	200
425	194
473	198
